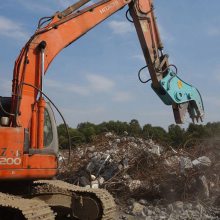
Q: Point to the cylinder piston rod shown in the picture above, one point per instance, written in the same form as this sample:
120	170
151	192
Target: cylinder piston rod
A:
42	47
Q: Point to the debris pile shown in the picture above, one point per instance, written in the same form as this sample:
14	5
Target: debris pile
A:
172	211
143	170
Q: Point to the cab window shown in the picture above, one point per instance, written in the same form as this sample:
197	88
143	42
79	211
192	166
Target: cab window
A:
48	132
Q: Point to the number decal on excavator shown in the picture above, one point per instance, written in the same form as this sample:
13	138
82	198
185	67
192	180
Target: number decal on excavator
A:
10	161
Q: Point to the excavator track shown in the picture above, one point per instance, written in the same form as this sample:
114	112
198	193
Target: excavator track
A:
17	208
84	203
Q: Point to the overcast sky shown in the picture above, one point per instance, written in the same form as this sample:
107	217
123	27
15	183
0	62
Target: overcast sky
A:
95	79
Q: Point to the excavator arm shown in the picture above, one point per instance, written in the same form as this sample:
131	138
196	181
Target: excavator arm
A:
67	26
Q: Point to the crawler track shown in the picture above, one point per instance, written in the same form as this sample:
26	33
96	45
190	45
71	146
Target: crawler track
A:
85	203
17	208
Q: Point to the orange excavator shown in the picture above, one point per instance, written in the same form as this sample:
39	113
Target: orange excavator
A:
28	135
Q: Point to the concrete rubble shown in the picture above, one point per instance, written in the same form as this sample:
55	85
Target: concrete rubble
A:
149	181
202	162
171	211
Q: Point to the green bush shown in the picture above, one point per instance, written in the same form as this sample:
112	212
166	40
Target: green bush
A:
175	136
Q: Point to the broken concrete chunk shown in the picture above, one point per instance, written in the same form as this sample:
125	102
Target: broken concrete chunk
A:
95	184
120	167
185	164
101	180
91	149
90	155
202	162
204	187
143	202
61	157
118	140
108	134
155	149
178	205
134	184
126	177
172	161
132	144
93	177
125	133
125	163
90	167
138	209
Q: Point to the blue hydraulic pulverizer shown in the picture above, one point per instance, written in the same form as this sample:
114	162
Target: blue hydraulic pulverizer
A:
182	96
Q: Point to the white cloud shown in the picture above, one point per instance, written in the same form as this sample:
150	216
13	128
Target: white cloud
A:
139	57
52	84
83	111
80	90
214	31
165	35
12	29
218	77
121	27
94	83
90	3
99	83
156	113
65	3
123	97
211	101
215	75
36	6
47	7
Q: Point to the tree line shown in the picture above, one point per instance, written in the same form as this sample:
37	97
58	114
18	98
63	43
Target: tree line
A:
174	136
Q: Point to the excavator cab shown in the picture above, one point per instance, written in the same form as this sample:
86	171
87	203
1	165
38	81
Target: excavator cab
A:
50	137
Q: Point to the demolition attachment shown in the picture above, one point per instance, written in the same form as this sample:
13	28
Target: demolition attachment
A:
182	96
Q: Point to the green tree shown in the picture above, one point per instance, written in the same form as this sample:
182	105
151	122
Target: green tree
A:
88	130
135	128
160	134
62	136
155	133
197	131
75	136
176	135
